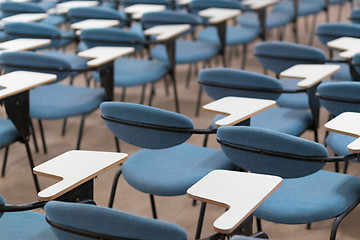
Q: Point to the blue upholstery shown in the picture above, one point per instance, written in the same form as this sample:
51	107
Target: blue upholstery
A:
113	222
273	19
56	101
293	100
8	132
265	139
305	7
316	197
279	56
355	16
98	12
39	30
171	171
356	61
344	72
146	138
234	35
330	31
338	143
127	3
133	72
198	5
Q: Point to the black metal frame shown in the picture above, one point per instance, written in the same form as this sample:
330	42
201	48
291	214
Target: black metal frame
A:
22	207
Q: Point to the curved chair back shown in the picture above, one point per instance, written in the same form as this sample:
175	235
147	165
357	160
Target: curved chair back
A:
36	30
37	62
330	31
339	97
112	37
145	126
224	82
355	16
269	152
127	3
83	13
97	222
279	56
168	17
10	8
2	203
198	5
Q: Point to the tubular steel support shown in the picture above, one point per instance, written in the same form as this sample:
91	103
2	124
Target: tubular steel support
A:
107	80
315	108
81	193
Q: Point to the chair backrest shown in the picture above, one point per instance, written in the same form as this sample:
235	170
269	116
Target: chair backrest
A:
198	5
83	13
10	8
278	56
36	62
112	37
107	222
127	3
145	126
34	30
169	17
355	16
2	203
356	64
339	97
329	31
224	82
269	152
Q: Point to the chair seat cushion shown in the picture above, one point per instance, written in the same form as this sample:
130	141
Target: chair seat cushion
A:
170	172
187	51
292	100
8	132
133	72
54	20
25	225
234	35
56	101
344	72
75	61
338	143
319	196
273	20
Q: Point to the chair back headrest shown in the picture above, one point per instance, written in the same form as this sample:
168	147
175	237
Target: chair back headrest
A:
145	126
31	30
330	31
224	82
169	17
339	97
256	143
278	56
36	62
355	16
198	5
10	8
127	3
107	222
83	13
112	37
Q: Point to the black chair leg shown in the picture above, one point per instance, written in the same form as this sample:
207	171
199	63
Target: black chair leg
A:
63	131
113	188
194	203
188	77
143	89
34	136
152	92
312	31
308	226
198	102
153	207
346	166
177	107
244	56
200	221
80	132
117	144
31	162
337	167
42	135
123	94
166	84
4	162
258	224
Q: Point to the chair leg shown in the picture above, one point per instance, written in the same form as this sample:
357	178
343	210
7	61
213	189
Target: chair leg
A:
258	224
194	202
337	167
63	131
152	92
42	135
113	188
80	132
308	226
153	207
5	160
177	107
34	136
200	221
117	144
188	77
123	94
166	86
340	11
31	162
312	32
346	166
244	56
143	89
198	102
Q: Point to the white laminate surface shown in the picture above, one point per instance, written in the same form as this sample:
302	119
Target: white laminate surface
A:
20	81
258	4
217	15
238	108
64	7
95	23
102	55
25	17
310	73
137	10
241	193
165	32
74	168
349	45
22	44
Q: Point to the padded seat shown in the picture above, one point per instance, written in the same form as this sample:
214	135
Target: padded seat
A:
338	142
344	72
8	132
292	100
75	61
187	51
171	171
234	35
273	19
305	8
134	72
319	196
52	101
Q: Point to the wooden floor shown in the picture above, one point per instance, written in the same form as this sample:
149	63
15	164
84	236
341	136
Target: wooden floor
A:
17	186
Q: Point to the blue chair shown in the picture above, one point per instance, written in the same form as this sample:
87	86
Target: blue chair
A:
355	16
18	222
337	98
127	3
222	82
98	12
75	221
129	72
166	165
235	35
308	194
12	8
58	38
56	101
